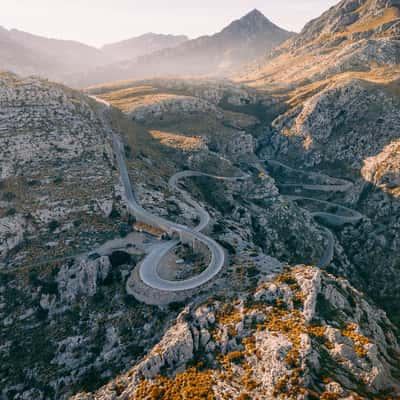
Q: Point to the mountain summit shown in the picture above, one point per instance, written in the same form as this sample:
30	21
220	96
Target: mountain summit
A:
255	21
241	42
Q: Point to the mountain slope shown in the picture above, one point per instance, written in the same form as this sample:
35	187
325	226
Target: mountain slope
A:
356	35
141	46
28	54
339	80
17	57
61	202
239	43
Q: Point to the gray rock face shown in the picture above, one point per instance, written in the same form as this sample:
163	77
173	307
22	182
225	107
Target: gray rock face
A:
82	278
174	351
12	231
346	122
241	145
178	105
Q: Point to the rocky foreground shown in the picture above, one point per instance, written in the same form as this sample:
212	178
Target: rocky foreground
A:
304	334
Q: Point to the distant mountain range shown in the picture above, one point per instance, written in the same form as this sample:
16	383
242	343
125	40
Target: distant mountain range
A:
141	46
149	55
28	54
241	42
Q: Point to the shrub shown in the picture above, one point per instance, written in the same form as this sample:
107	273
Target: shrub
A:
176	306
9	196
49	287
10	212
53	225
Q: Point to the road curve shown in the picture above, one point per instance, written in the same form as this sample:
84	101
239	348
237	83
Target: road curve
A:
148	270
149	266
335	185
202	213
332	219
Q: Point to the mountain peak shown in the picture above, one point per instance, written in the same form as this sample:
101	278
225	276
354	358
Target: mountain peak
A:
255	17
255	13
255	22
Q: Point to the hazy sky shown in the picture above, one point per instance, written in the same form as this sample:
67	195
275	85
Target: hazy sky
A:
101	21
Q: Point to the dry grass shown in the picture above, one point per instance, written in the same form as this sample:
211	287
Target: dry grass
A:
388	15
178	141
130	98
116	85
388	77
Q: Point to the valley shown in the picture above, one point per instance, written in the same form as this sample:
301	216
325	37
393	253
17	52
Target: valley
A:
211	218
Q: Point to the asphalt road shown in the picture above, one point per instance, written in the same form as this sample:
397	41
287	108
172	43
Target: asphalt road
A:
150	265
336	219
202	213
335	185
344	215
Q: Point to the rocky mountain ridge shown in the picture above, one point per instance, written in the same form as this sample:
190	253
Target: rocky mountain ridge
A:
352	36
287	339
28	54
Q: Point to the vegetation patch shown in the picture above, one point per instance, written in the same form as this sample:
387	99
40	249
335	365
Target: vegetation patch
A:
190	384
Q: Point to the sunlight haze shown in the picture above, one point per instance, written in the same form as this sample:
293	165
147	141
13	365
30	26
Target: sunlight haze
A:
103	21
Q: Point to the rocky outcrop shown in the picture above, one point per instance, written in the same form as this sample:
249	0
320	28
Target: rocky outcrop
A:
12	231
383	170
315	335
241	145
82	278
165	105
345	123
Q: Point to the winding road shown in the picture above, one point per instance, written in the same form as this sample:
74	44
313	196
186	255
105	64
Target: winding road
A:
202	213
148	270
332	219
335	184
150	265
347	216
